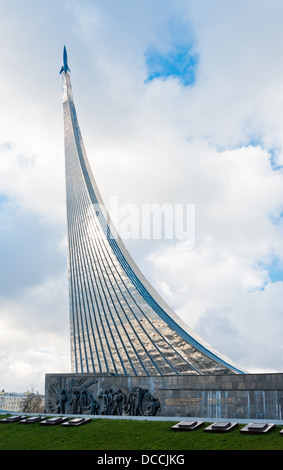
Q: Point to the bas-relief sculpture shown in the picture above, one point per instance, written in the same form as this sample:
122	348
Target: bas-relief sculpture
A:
81	396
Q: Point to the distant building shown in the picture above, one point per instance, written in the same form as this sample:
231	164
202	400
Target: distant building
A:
14	402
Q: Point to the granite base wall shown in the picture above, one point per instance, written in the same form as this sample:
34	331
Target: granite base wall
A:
248	396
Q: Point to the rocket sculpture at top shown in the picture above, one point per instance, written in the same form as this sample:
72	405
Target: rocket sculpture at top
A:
65	67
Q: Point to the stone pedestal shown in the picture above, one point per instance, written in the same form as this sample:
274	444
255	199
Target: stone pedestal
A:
248	396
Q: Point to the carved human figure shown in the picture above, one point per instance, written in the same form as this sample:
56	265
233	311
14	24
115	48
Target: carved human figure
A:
61	402
122	401
115	404
83	399
75	402
139	394
93	405
130	407
105	399
110	402
155	406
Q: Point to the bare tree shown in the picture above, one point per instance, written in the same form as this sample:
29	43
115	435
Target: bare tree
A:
33	403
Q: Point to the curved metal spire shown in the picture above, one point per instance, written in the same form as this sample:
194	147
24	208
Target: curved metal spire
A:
119	324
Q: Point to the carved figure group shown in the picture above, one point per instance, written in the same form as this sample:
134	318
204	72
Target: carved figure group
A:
139	403
80	399
77	400
113	402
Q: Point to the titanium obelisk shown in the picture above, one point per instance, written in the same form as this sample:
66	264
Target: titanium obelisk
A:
118	322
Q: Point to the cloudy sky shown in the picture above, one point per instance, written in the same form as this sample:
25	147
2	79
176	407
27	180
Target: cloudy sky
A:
179	101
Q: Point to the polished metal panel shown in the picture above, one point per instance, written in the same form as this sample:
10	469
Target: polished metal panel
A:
118	322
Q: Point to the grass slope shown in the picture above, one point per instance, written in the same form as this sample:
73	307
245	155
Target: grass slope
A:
104	434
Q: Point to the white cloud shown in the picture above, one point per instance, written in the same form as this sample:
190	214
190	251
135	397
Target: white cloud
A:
34	335
224	280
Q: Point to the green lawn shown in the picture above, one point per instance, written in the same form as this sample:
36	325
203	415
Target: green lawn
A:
107	434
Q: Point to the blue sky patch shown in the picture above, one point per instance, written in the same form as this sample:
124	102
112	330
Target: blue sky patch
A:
274	154
3	199
276	270
179	63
